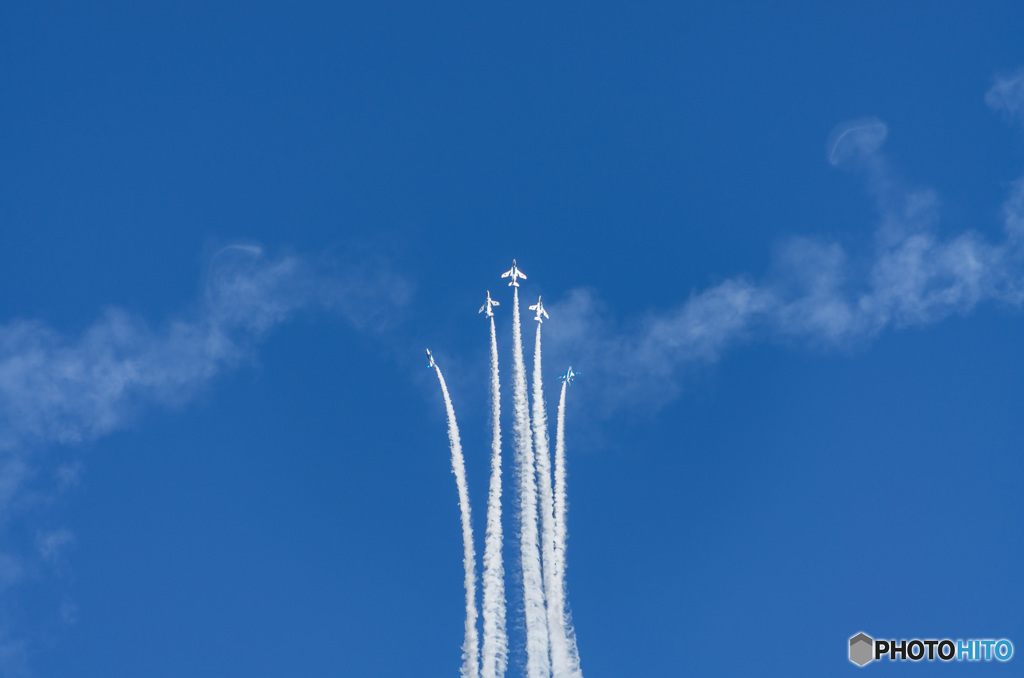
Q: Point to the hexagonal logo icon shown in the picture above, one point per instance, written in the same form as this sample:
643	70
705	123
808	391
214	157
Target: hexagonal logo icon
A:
862	649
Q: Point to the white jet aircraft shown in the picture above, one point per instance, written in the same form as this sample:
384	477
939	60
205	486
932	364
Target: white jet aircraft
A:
539	308
514	273
569	374
488	305
430	358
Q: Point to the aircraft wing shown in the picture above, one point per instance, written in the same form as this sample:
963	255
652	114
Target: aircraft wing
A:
506	273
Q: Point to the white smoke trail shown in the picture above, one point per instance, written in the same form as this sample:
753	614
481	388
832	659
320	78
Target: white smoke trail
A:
560	665
560	511
537	662
470	661
494	657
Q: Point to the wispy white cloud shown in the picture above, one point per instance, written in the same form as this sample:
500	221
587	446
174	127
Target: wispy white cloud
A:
1007	95
51	544
815	292
856	140
68	389
57	389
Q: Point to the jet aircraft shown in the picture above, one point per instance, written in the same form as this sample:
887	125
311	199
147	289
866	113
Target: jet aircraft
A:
488	305
539	308
568	376
513	273
430	359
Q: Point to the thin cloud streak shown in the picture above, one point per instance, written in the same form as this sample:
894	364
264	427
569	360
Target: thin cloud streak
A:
816	293
55	389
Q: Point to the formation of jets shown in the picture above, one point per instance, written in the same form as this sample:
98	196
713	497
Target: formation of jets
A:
488	309
539	308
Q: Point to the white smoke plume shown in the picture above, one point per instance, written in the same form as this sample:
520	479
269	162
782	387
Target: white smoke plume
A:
556	632
470	646
561	509
537	660
494	651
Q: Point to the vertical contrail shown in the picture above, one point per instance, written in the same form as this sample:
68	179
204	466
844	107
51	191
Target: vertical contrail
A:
560	514
470	666
560	663
537	662
494	659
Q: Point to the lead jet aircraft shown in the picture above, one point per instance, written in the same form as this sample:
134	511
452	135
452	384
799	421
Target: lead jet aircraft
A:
539	308
569	374
514	273
430	358
488	304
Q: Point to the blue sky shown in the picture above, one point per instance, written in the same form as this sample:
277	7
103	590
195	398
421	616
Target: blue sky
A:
783	245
